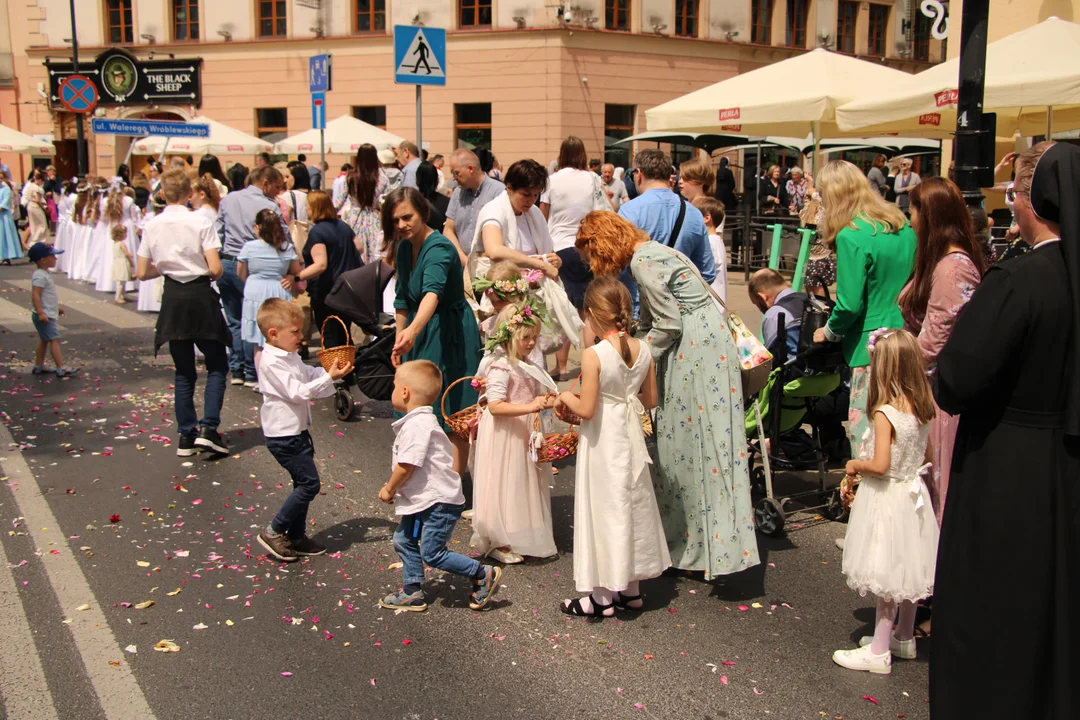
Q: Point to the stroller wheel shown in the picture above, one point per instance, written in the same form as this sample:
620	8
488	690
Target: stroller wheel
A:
834	506
343	404
769	517
757	480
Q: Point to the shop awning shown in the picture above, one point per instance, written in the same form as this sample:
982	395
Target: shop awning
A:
344	135
13	141
223	140
1026	73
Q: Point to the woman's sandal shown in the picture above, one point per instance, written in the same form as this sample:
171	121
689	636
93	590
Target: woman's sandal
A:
575	609
622	602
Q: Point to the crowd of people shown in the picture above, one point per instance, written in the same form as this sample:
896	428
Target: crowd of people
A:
955	365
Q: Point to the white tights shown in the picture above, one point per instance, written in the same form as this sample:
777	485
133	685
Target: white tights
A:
883	625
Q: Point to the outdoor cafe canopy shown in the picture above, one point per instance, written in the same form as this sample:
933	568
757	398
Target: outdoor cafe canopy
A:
344	135
223	140
13	141
1026	73
792	97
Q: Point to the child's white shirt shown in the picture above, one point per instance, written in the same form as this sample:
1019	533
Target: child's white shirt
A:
422	443
719	251
287	386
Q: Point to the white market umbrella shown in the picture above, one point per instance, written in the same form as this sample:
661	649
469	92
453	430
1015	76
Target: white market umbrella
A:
1027	73
792	97
344	135
223	140
13	141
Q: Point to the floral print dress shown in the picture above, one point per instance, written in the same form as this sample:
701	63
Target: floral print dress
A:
366	223
954	282
700	468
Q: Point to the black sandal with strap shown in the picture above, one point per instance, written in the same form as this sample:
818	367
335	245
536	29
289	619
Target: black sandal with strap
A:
575	609
622	602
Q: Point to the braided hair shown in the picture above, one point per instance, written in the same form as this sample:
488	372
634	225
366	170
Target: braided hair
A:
608	302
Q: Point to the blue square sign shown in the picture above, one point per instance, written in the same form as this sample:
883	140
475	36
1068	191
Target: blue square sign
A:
419	55
319	70
318	111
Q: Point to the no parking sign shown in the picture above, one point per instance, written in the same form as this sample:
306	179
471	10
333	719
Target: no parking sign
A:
78	94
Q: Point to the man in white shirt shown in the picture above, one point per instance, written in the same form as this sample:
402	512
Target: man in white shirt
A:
409	157
288	386
614	189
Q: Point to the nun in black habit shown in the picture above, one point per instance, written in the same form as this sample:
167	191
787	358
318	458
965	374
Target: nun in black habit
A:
1007	591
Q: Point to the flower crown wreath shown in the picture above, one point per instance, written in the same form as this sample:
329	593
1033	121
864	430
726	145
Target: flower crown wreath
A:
505	289
878	335
528	315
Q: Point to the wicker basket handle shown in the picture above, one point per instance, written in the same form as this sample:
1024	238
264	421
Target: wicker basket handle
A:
536	424
442	406
322	330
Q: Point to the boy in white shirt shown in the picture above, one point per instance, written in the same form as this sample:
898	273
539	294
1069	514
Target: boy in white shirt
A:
427	493
713	211
287	385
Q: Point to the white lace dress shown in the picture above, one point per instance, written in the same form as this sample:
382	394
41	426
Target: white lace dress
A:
892	536
618	536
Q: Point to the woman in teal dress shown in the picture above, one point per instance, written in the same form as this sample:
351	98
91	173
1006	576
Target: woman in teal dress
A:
700	466
434	322
10	245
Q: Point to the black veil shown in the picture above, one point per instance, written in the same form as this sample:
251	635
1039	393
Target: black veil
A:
1055	197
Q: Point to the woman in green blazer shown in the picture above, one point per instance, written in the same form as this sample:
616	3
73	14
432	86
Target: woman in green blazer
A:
875	252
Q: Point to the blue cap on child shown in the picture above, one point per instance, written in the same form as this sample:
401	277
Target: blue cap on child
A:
40	251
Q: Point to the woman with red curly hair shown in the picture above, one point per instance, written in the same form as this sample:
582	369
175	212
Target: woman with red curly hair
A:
701	471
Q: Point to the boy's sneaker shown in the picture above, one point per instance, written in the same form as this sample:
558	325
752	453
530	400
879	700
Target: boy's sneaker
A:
486	588
903	649
42	370
278	546
251	383
236	380
211	440
401	600
187	446
66	372
306	546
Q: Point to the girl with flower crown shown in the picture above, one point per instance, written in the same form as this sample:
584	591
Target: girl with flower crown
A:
506	284
892	536
511	492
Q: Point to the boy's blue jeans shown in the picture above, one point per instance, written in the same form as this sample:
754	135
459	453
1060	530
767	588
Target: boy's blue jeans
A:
421	540
295	453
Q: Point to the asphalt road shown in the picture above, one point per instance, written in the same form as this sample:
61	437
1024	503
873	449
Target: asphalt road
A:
103	517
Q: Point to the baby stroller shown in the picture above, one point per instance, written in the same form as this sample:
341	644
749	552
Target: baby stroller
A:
357	296
801	390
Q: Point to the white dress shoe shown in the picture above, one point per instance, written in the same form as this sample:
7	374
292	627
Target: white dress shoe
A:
903	649
863	659
840	542
506	558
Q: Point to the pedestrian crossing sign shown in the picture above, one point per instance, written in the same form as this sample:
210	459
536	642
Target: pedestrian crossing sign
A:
419	55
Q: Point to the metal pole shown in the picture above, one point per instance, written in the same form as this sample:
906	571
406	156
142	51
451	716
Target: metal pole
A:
419	124
757	183
969	117
82	160
817	147
1050	122
164	149
322	149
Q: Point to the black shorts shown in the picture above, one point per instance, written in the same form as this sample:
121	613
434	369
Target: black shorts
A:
575	276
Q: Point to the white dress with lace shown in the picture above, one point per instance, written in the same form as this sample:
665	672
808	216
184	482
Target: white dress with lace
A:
892	536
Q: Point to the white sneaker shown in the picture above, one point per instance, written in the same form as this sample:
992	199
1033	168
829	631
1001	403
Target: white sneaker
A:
903	649
840	542
236	380
251	384
863	659
506	558
467	515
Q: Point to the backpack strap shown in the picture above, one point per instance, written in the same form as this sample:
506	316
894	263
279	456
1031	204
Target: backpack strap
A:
678	222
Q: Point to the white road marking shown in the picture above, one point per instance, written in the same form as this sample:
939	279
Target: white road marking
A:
23	688
117	690
16	318
99	306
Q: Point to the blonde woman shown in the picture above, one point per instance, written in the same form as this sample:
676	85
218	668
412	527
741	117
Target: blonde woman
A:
697	177
875	250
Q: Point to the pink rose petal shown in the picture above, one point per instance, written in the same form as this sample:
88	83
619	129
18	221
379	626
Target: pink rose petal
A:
286	674
723	680
870	698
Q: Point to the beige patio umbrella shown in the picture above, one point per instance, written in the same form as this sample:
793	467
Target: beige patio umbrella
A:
792	97
13	141
1031	75
344	135
223	140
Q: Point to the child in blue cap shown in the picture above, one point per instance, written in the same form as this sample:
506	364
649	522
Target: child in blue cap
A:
46	310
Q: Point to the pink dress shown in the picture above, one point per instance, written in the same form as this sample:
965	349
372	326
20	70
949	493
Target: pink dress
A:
954	282
511	493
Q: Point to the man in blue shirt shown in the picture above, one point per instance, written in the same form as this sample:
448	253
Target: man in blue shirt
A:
236	227
409	157
656	210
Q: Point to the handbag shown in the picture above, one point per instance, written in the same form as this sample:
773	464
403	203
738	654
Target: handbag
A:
754	358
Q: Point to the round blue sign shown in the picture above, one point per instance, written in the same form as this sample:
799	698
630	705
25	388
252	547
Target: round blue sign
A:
78	94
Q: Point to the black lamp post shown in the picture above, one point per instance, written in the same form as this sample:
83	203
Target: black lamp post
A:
80	138
975	132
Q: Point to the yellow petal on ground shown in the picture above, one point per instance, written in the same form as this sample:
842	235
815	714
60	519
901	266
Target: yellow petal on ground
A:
83	607
229	623
167	646
144	605
174	593
143	563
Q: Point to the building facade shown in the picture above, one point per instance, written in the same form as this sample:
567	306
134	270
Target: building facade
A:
522	74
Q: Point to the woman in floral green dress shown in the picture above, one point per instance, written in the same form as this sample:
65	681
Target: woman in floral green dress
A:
701	468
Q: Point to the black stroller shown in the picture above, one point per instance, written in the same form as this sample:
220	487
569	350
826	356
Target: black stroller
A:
357	296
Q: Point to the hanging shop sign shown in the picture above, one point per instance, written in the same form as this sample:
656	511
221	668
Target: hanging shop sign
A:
121	79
